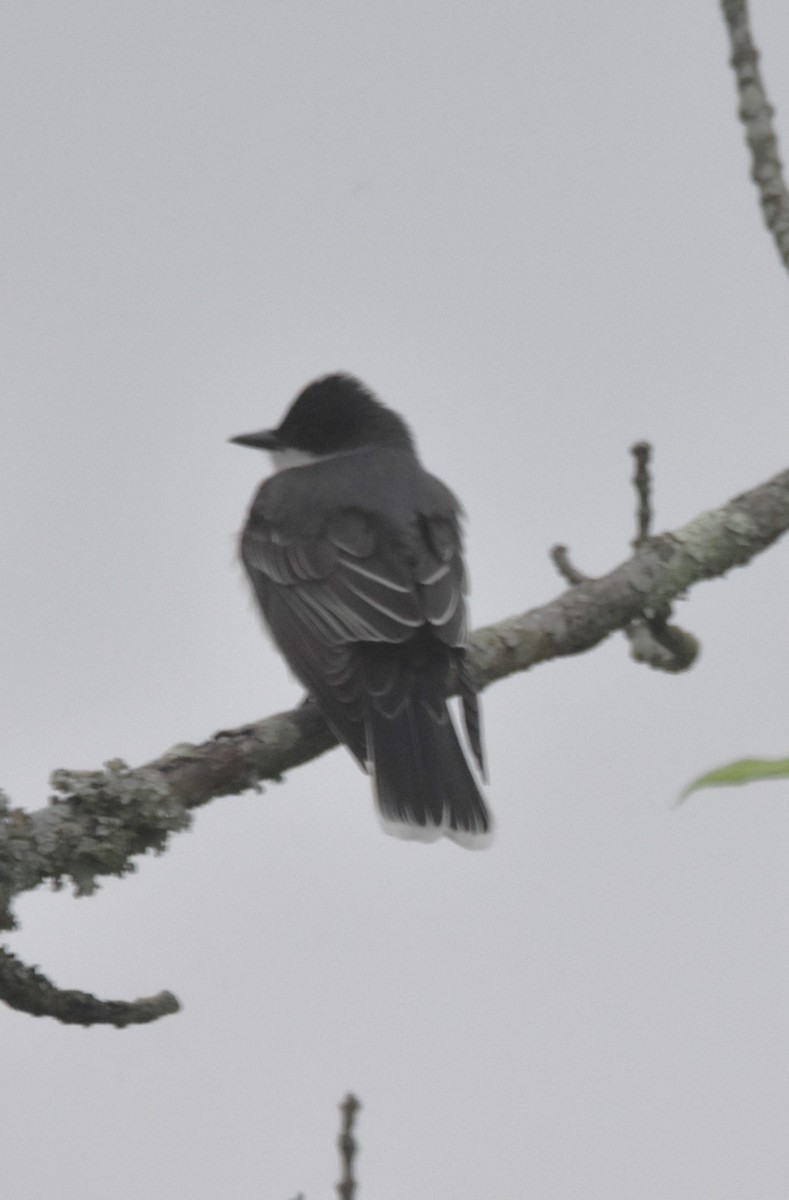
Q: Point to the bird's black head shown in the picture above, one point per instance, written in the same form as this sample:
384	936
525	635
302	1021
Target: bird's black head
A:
333	414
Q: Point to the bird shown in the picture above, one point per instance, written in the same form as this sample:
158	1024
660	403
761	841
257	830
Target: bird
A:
354	554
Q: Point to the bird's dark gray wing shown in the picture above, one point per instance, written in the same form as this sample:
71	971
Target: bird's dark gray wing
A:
332	597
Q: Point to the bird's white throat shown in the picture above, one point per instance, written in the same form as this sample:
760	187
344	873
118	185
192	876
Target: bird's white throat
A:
284	459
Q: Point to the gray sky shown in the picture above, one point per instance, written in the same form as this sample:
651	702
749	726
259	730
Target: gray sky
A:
530	229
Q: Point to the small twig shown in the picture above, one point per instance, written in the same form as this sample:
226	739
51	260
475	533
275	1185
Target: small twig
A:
642	452
346	1188
756	114
652	640
662	646
560	557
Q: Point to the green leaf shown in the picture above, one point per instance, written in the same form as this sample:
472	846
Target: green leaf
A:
746	770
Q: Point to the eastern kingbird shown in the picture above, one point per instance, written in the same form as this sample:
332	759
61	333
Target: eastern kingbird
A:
354	553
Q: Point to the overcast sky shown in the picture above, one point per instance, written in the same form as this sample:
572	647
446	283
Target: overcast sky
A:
530	228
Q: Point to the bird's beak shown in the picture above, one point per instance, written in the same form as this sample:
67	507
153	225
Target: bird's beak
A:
267	439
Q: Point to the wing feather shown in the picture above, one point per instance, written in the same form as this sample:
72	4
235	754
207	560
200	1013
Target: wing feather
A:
387	583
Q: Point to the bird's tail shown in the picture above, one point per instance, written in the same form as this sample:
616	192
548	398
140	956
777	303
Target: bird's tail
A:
423	782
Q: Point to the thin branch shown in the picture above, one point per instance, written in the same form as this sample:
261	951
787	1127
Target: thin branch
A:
660	571
756	114
560	557
642	482
652	640
346	1188
26	989
662	646
101	820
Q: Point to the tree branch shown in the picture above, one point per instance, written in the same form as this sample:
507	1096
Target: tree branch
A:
26	989
348	1146
99	821
660	570
756	114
